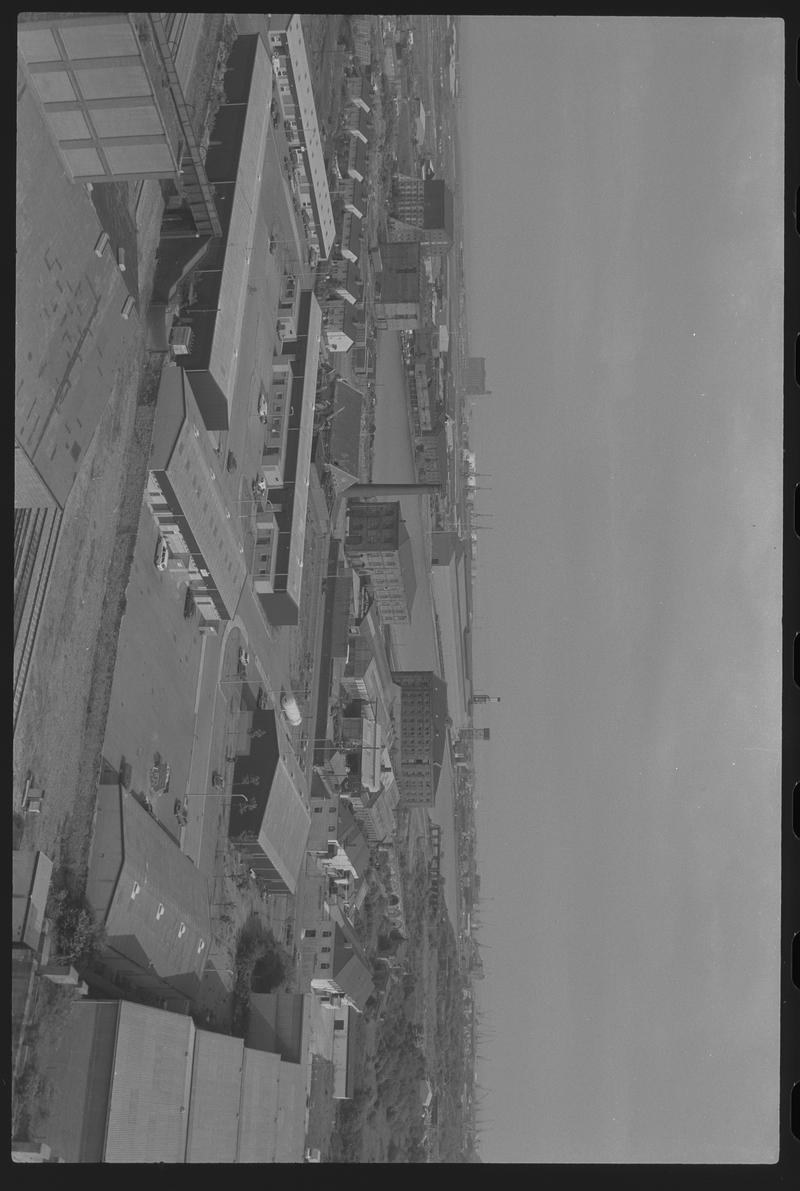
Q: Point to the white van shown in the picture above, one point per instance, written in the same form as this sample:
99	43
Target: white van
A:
162	555
291	710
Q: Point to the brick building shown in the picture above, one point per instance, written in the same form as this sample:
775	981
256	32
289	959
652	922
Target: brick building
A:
423	734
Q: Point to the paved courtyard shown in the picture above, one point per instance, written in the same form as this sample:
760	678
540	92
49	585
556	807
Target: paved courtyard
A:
151	713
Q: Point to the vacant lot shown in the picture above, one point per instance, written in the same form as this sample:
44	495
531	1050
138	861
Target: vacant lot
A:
63	712
151	713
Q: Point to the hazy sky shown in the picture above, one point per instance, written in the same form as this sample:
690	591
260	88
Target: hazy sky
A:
623	193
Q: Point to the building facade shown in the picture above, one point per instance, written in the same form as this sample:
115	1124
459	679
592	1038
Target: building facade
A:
422	210
377	545
280	527
423	734
290	66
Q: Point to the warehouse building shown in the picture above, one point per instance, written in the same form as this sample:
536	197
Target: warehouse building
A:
136	1084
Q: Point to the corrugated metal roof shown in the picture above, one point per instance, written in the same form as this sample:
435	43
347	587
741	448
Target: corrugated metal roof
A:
80	1070
291	1113
216	1093
258	1120
149	1106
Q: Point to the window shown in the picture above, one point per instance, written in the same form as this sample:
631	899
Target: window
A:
338	1025
317	810
326	934
325	949
324	967
309	934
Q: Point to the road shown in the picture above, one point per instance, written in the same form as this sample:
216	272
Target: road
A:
414	644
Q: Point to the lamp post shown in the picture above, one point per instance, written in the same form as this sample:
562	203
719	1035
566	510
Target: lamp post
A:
250	802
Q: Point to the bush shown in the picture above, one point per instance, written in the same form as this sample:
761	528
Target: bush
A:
261	965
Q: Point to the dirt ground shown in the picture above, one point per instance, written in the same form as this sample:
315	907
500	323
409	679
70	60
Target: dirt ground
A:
62	717
325	61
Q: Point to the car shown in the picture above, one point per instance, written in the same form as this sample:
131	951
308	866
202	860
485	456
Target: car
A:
263	407
291	710
244	657
162	555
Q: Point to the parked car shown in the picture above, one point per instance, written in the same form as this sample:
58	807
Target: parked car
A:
162	555
263	407
244	657
291	710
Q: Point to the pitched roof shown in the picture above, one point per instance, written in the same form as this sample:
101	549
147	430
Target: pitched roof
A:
345	435
258	1121
279	817
351	839
216	1093
151	899
148	1110
350	969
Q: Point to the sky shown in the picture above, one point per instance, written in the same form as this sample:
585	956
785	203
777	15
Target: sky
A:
622	186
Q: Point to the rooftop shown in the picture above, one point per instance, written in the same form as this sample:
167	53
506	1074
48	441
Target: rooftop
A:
345	434
151	899
271	778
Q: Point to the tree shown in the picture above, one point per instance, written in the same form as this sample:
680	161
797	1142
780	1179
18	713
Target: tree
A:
78	936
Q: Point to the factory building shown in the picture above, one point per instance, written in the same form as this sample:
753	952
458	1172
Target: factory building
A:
187	504
234	164
422	210
269	822
136	1084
